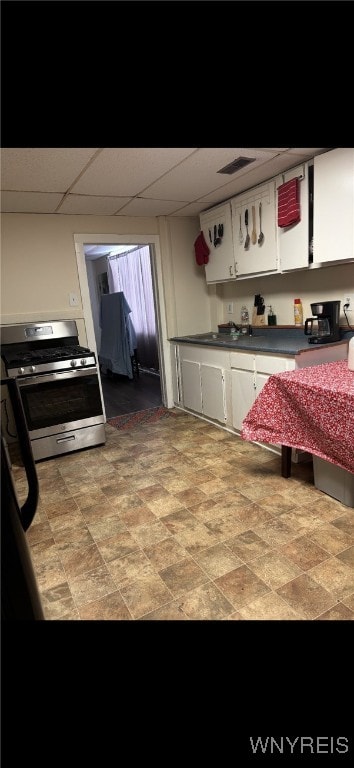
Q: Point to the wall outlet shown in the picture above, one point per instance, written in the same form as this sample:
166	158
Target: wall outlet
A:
230	308
73	300
347	304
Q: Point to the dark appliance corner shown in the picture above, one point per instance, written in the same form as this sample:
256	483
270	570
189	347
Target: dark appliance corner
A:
20	598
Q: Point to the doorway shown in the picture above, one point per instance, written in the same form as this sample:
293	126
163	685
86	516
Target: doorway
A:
127	268
147	390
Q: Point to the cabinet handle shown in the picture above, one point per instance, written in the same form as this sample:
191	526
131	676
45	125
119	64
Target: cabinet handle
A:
230	268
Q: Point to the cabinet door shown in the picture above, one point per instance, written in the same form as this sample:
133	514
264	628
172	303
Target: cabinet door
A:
221	265
333	206
266	365
191	385
257	259
261	379
273	363
243	395
213	392
293	242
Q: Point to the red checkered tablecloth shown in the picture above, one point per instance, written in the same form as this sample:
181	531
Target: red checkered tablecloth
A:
311	409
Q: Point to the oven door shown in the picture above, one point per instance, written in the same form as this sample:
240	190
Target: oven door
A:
60	402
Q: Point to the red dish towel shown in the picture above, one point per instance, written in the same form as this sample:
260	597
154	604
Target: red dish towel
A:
201	250
289	203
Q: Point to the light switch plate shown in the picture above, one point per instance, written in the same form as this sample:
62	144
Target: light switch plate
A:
230	308
73	300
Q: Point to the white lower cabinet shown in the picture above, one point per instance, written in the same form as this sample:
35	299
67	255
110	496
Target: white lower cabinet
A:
213	392
243	390
191	385
204	381
223	385
249	373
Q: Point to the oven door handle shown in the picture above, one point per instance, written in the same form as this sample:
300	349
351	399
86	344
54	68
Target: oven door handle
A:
45	377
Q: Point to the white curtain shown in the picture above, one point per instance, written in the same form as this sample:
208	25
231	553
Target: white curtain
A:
130	272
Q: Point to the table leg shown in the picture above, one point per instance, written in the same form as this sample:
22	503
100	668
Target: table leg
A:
286	461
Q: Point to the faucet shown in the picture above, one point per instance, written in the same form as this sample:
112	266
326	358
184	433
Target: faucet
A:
246	329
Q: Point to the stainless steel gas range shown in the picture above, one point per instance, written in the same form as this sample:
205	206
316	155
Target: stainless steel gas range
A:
59	386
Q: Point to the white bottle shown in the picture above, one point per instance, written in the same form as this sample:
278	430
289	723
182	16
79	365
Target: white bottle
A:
245	319
351	354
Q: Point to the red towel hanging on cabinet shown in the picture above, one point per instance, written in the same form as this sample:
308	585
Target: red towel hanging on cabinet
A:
289	203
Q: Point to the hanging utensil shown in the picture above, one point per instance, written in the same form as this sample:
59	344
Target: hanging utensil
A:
240	236
247	241
254	231
210	237
261	235
217	240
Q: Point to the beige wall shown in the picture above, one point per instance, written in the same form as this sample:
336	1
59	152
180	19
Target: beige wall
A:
39	267
324	284
38	261
39	270
192	306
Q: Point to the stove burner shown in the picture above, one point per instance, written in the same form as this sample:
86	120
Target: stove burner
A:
32	356
58	353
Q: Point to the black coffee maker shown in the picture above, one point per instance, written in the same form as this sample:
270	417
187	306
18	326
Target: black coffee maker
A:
324	327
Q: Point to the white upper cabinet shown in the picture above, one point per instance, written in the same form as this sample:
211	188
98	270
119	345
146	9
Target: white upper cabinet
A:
333	206
293	242
255	254
216	227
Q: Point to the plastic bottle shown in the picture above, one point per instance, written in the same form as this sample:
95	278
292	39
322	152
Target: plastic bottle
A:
245	319
298	315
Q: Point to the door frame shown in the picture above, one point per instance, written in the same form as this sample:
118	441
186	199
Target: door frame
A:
164	348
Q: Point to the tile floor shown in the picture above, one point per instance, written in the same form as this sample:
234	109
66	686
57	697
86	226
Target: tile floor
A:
183	520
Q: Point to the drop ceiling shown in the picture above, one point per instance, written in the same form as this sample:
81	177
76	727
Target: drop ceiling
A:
134	181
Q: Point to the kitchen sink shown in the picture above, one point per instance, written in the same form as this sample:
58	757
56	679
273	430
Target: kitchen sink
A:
223	338
211	337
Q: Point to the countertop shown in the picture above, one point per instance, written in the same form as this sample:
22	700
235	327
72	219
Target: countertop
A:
286	341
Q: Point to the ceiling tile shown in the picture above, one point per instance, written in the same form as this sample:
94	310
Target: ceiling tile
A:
165	181
30	202
274	149
307	152
264	172
197	175
126	172
42	170
91	204
191	209
141	206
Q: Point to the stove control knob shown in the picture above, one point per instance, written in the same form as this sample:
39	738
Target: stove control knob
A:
32	368
21	370
73	363
83	361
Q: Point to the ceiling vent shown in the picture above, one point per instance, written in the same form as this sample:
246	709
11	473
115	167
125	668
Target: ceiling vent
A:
236	165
